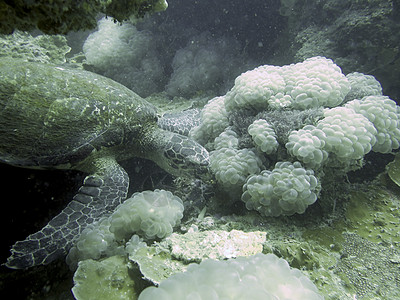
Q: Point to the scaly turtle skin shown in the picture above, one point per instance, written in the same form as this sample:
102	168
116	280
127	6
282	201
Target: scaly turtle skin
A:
54	117
180	122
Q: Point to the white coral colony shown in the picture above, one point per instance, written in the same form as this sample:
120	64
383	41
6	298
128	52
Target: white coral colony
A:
255	277
315	82
287	189
298	123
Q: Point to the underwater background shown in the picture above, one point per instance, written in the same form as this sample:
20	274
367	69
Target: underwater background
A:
184	57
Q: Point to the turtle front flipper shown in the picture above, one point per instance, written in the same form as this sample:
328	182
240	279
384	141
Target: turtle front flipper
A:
100	193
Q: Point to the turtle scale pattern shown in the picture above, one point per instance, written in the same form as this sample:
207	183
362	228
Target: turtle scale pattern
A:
180	122
55	117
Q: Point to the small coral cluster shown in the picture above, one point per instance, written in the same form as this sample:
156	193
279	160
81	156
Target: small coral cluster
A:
214	119
125	54
204	64
277	129
315	82
383	113
342	132
287	189
264	136
150	214
255	277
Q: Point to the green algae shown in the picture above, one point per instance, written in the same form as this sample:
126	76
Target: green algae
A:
393	169
374	215
106	279
156	263
327	236
372	268
364	241
300	254
41	48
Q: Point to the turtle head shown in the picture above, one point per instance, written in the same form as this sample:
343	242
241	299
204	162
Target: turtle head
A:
184	157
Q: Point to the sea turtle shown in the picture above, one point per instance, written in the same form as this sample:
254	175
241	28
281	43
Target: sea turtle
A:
55	117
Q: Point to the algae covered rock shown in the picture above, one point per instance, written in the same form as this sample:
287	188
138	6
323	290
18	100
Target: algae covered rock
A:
364	242
215	244
156	264
62	16
394	170
372	269
107	279
173	255
42	48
